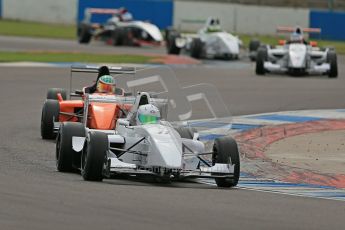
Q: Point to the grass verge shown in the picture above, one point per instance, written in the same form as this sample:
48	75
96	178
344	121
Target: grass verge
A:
34	29
73	57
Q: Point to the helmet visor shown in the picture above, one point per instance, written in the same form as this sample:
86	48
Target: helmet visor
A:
105	88
148	119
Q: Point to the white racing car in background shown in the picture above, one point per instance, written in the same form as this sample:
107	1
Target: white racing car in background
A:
154	138
296	56
210	42
119	29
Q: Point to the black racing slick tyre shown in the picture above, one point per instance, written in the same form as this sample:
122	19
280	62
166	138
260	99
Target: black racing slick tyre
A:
50	114
65	155
260	61
84	34
332	60
52	93
196	48
225	150
171	43
254	45
186	132
118	36
93	156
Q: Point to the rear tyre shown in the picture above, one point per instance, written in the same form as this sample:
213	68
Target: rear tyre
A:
93	156
225	151
253	48
332	60
52	93
196	48
65	155
50	114
84	34
260	61
118	36
186	132
254	45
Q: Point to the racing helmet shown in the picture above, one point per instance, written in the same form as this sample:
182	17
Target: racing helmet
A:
106	84
213	25
296	37
148	114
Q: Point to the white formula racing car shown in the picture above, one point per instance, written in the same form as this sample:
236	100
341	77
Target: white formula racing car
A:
296	56
139	145
210	42
119	29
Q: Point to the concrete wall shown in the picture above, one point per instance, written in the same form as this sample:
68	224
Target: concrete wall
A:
54	11
238	18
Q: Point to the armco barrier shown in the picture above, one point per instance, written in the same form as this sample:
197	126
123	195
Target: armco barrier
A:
330	22
158	12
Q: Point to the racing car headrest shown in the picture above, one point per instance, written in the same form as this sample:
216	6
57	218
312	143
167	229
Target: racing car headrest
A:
298	30
103	70
143	100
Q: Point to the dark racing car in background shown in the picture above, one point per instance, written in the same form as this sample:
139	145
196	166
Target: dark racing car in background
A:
119	29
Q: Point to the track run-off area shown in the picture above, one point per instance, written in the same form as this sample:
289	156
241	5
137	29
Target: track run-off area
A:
33	195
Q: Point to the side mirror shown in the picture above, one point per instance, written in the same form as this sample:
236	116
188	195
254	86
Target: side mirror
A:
282	42
123	122
313	43
79	92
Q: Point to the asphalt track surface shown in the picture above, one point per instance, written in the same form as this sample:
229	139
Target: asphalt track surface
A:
33	195
10	43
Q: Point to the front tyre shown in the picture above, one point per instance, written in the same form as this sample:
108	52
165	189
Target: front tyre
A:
196	48
332	60
65	155
260	61
225	151
93	156
50	114
52	93
84	34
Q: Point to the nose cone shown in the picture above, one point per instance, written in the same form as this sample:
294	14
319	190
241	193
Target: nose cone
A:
297	53
231	43
153	31
102	116
166	147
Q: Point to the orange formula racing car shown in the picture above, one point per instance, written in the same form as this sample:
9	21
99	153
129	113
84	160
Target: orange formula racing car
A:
57	108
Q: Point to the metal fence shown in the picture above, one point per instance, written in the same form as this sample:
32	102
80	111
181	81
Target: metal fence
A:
313	4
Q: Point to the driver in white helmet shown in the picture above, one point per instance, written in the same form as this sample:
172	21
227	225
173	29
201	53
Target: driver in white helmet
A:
148	114
212	25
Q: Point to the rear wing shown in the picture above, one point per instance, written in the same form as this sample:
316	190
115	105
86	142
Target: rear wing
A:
91	11
287	29
102	11
95	69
